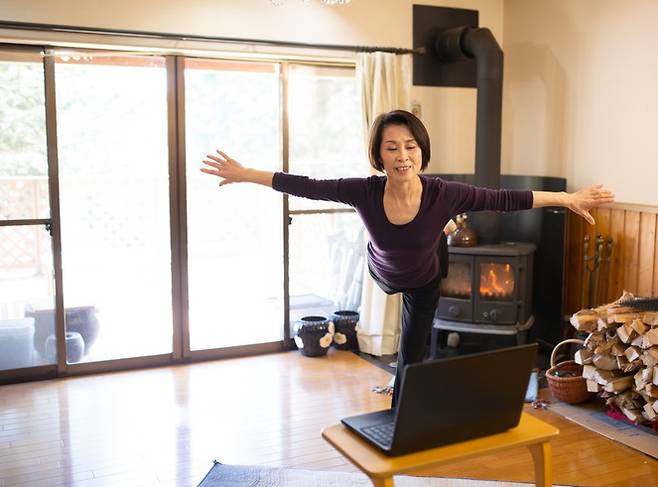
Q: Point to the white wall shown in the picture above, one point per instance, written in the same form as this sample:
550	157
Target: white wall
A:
448	112
580	96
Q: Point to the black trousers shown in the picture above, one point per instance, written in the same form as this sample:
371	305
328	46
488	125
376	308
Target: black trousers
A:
418	309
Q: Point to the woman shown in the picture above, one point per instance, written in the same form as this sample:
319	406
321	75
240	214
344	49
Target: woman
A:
404	214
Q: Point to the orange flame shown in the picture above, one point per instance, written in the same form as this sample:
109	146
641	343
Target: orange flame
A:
497	281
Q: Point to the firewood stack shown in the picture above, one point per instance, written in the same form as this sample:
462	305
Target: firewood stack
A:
620	357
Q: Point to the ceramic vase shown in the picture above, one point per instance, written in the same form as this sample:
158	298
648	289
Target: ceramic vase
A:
345	323
313	335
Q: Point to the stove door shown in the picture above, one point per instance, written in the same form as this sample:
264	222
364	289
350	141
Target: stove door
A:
457	290
496	297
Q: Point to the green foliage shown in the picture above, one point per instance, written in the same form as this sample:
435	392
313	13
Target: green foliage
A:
22	120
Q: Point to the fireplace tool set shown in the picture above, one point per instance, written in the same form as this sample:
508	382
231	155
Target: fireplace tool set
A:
596	270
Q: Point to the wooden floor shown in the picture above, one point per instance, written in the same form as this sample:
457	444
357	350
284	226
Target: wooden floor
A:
163	427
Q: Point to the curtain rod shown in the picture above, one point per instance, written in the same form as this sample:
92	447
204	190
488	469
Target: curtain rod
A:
69	29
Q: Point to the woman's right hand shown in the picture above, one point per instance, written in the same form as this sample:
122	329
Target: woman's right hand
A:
582	201
228	169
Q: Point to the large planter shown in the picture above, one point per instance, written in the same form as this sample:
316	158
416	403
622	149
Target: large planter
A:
16	343
313	335
82	320
345	323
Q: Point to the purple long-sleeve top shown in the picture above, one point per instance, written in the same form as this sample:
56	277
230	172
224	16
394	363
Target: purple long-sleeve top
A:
404	256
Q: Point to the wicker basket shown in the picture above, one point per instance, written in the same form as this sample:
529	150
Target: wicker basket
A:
572	390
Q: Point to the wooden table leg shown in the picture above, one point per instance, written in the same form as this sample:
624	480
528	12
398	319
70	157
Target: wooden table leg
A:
541	456
382	482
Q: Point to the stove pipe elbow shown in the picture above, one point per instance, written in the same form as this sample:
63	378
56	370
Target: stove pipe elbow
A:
479	44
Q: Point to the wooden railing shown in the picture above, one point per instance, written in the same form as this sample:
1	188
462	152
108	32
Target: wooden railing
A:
634	260
24	248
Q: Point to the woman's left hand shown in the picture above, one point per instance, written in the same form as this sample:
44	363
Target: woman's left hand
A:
585	199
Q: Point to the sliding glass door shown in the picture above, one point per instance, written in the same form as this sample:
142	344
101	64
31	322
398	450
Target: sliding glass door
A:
156	260
114	199
326	239
235	233
26	260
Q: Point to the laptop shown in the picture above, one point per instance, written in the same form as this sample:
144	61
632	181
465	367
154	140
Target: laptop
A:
451	400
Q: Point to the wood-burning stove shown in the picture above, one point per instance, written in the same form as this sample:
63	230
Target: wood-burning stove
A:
465	55
488	290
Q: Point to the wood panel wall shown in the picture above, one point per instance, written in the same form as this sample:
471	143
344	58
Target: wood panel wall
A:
634	261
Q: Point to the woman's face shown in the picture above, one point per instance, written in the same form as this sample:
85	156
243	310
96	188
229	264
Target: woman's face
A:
400	153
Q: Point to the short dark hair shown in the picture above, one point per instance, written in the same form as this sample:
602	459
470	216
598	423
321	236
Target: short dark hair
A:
397	117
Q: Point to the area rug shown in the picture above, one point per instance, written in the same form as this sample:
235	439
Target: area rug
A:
592	415
254	476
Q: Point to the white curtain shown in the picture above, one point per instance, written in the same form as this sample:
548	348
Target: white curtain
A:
385	84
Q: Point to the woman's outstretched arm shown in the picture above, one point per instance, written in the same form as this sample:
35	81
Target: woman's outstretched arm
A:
349	191
579	202
231	171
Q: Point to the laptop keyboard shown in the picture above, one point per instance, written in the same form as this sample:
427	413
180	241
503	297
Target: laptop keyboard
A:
382	433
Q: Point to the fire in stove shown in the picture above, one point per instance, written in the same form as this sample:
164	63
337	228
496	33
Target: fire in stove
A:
458	283
496	281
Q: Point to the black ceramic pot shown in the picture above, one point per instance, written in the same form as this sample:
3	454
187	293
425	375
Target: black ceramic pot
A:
345	324
313	336
81	320
75	348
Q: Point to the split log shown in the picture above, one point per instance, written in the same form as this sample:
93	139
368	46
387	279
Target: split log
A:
650	357
645	396
608	344
604	377
592	386
625	317
626	332
583	356
593	340
632	366
619	384
651	337
589	372
647	374
615	310
606	361
632	414
585	320
639	327
639	342
600	376
651	390
650	318
627	399
618	348
631	354
640	380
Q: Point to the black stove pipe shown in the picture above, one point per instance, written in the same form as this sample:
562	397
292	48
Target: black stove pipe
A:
463	43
